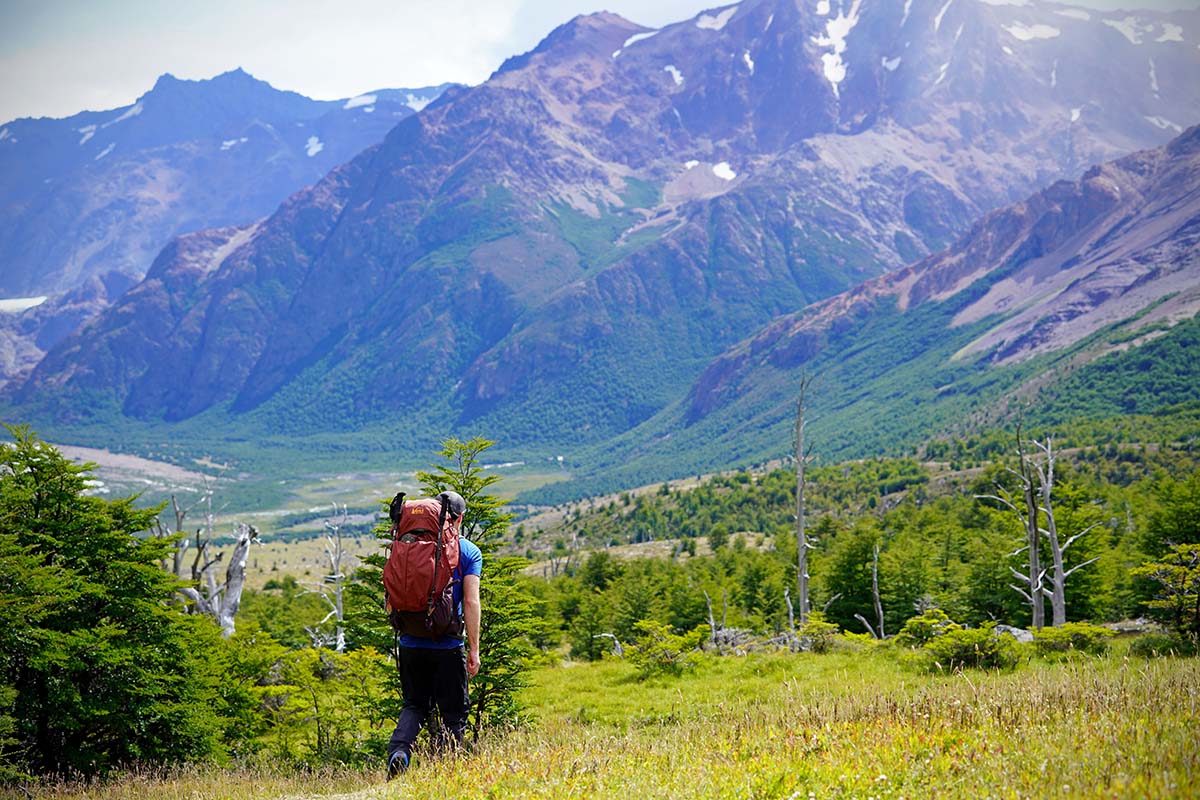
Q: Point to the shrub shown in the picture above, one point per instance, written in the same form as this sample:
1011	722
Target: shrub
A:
1155	645
975	648
818	633
657	651
1073	637
922	629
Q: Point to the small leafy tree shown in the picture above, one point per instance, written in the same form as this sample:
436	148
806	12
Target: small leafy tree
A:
923	628
818	633
98	666
508	616
1177	575
973	648
657	651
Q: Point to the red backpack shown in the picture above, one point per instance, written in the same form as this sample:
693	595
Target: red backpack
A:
418	583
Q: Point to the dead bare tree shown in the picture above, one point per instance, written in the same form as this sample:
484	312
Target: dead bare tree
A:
222	602
1058	576
330	588
875	591
803	456
1036	476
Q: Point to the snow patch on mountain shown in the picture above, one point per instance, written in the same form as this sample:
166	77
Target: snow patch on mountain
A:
907	8
130	114
1171	33
1153	78
361	100
822	8
891	64
417	103
231	143
716	22
313	146
1165	124
1018	3
105	151
637	37
942	73
4	134
13	305
836	31
676	75
937	21
1075	112
1073	13
88	132
749	61
1054	74
1130	28
724	171
691	164
1035	31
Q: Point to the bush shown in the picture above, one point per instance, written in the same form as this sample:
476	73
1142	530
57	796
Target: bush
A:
1072	637
921	630
1156	645
657	651
973	648
818	633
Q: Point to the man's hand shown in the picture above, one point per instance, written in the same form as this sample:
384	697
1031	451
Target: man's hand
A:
472	663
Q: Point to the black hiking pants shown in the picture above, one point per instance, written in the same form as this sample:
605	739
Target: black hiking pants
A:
432	679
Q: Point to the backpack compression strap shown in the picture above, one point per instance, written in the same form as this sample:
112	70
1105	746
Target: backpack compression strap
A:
395	511
437	563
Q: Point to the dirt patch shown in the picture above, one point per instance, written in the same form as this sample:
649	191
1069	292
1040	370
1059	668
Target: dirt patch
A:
117	466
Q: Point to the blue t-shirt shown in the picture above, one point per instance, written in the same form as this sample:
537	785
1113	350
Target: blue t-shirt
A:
470	562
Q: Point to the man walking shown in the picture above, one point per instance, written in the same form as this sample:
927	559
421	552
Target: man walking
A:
434	670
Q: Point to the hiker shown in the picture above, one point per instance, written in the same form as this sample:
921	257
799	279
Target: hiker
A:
434	667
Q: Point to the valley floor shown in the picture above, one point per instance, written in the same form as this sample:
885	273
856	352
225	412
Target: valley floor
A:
845	725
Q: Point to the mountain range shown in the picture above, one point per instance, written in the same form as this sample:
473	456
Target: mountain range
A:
603	244
87	202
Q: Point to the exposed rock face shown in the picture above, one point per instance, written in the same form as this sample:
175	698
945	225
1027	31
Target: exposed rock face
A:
1122	241
555	255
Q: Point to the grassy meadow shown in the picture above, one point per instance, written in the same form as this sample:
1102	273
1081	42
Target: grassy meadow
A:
854	723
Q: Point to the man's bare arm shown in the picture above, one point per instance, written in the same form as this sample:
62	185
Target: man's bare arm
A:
471	609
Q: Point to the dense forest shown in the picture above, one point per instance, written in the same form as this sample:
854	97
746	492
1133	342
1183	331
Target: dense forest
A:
107	661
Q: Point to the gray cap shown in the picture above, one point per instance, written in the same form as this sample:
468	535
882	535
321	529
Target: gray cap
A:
454	502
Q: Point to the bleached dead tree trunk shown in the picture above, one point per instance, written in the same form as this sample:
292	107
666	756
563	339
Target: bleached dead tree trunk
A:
1058	576
1034	580
330	588
1037	487
803	455
875	591
1027	512
222	602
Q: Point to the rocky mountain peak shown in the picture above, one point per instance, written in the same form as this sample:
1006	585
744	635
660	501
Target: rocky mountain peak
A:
585	36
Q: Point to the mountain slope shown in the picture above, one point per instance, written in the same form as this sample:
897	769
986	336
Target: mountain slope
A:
1085	272
554	256
104	191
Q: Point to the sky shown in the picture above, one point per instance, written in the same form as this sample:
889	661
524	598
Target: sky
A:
60	57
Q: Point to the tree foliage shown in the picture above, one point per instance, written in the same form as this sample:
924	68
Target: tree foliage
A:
99	668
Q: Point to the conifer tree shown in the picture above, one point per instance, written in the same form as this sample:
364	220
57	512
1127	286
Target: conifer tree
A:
508	615
98	666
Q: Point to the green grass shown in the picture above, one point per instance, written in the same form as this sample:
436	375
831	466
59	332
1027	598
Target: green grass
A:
846	724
